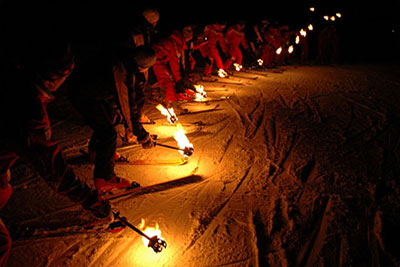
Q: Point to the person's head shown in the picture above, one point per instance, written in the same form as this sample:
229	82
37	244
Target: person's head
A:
241	24
145	57
151	15
187	32
50	65
221	23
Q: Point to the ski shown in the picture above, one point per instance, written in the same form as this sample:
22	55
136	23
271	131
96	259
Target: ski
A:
209	100
223	82
29	232
216	108
244	76
187	124
191	178
74	209
124	161
84	159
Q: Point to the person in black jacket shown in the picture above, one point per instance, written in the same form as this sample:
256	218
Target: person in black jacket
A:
107	90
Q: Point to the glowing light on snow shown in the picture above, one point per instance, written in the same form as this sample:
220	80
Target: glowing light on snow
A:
172	118
222	73
303	33
312	9
333	18
181	138
279	51
237	66
297	39
200	93
326	17
339	15
290	49
149	231
310	27
260	61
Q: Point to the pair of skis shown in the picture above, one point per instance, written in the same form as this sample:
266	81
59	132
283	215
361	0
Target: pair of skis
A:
33	231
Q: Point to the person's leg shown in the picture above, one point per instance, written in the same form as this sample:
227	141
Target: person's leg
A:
5	245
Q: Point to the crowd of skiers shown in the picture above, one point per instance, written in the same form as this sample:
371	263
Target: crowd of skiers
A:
109	86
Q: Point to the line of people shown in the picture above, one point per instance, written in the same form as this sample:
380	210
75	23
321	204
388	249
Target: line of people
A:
108	84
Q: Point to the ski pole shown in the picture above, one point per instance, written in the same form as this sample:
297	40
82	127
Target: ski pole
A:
187	151
157	244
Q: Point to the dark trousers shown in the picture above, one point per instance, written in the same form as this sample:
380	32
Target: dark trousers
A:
101	118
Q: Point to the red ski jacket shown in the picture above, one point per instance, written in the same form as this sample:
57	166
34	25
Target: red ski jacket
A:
213	33
234	37
171	51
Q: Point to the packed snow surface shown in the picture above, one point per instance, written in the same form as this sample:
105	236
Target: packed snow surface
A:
299	168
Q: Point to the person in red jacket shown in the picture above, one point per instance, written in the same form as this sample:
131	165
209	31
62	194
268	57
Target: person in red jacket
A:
235	37
27	85
213	33
171	58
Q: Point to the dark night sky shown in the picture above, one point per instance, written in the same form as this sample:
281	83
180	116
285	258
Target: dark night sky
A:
85	18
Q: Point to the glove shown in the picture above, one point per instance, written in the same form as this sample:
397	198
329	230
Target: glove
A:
130	138
147	142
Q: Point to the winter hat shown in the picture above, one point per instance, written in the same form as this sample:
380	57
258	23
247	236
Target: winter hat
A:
151	15
144	56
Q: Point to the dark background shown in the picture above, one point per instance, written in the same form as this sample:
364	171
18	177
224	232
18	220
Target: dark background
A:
368	32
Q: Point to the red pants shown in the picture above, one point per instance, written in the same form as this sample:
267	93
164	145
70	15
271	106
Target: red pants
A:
213	54
5	245
5	239
267	55
166	82
236	55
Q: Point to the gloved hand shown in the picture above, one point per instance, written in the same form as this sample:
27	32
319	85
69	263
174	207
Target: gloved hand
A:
147	142
130	138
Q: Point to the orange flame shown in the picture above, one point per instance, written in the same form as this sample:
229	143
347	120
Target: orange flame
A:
168	112
326	17
200	93
149	231
181	138
297	39
260	61
339	15
222	73
303	33
237	66
310	27
290	49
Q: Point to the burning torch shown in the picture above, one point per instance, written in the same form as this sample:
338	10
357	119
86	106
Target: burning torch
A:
156	243
169	112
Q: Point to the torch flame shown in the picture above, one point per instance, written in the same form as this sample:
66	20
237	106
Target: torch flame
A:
310	27
237	66
290	49
339	15
181	138
168	112
200	93
297	39
279	51
303	33
326	17
260	61
333	18
312	9
149	231
222	73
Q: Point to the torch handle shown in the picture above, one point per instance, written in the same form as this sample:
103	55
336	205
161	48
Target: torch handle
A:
167	146
116	215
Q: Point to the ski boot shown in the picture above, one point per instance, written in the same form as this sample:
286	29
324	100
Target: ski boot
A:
113	186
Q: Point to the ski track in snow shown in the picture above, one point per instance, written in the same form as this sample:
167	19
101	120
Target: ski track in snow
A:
288	164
